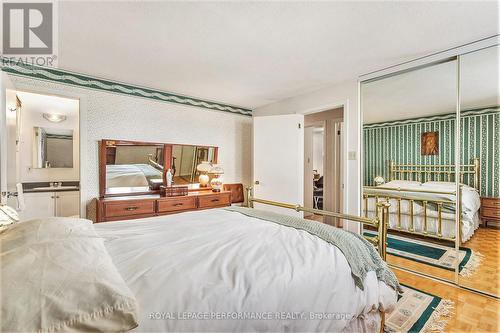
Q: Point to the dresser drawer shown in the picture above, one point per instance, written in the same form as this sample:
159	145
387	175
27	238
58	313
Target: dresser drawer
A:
129	207
490	202
214	200
490	212
176	204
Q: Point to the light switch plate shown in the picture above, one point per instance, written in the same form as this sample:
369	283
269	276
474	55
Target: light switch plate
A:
351	155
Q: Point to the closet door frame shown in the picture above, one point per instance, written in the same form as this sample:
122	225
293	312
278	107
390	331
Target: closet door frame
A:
452	54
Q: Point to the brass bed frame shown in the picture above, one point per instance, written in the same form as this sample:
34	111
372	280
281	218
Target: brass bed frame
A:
379	222
425	173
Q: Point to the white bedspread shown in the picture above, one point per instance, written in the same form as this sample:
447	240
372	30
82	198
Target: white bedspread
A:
221	263
470	206
129	175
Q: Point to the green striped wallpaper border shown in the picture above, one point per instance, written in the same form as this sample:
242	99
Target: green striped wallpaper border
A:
400	141
90	82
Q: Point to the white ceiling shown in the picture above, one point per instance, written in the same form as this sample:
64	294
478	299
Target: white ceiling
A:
433	90
255	53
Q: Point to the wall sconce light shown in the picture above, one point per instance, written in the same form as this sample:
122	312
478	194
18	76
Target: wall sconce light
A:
54	118
14	107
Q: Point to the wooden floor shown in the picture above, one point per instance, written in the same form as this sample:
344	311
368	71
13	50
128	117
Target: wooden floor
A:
472	313
487	242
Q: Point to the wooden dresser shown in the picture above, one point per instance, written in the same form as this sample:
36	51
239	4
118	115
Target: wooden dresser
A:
490	210
135	207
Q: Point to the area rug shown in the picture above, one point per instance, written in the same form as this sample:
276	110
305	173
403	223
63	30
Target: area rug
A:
418	311
437	255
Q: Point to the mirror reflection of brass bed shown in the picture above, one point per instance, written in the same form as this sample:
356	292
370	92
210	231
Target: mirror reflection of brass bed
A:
436	207
437	172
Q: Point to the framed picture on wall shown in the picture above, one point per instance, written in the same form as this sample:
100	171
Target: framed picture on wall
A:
429	144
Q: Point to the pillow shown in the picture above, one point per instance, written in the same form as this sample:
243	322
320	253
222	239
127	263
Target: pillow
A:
401	183
57	276
447	186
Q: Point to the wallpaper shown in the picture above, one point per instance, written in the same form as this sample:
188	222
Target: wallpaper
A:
400	141
106	115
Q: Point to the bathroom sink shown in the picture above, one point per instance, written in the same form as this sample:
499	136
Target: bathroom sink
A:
55	188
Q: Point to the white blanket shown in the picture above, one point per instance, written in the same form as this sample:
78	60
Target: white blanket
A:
221	263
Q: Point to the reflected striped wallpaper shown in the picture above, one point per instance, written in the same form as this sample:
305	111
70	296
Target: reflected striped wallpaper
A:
400	141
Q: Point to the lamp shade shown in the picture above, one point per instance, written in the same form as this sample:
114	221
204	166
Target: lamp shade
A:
216	169
204	167
379	180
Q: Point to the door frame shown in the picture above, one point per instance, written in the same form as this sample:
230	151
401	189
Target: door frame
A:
344	160
82	119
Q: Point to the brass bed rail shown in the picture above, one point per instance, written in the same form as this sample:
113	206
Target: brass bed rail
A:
468	173
380	221
412	200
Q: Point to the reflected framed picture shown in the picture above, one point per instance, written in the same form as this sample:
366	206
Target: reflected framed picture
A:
429	144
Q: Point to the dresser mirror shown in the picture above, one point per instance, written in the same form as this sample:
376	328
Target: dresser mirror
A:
134	168
52	147
186	158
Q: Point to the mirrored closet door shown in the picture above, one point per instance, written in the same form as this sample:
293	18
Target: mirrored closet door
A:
480	149
409	142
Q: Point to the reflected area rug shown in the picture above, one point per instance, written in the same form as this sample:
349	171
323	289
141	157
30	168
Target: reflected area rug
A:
418	311
438	255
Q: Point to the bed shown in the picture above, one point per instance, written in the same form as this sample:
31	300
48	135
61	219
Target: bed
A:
131	175
428	208
228	270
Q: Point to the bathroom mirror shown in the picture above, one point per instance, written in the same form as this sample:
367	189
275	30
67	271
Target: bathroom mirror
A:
52	147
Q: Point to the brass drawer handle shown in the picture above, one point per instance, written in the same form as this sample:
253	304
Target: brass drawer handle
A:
215	200
132	208
178	204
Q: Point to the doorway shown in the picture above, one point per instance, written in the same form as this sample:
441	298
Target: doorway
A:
42	171
323	161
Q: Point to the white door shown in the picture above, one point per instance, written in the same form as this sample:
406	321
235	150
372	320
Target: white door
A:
38	205
278	160
67	203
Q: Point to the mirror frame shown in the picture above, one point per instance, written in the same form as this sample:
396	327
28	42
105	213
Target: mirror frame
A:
167	164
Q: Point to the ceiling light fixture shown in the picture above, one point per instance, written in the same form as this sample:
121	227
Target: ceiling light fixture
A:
54	118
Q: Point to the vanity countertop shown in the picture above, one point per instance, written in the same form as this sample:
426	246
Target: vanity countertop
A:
40	187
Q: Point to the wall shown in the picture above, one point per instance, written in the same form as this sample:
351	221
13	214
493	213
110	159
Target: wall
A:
115	116
400	141
344	94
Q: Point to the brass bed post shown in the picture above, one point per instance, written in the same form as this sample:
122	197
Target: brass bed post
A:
383	221
477	175
249	196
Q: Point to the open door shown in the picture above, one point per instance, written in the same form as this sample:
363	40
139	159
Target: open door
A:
278	160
